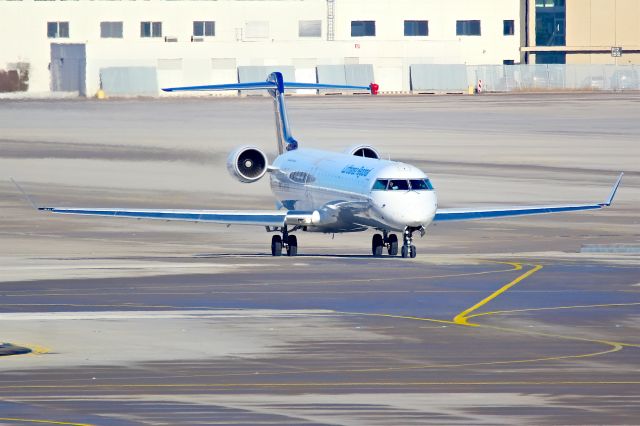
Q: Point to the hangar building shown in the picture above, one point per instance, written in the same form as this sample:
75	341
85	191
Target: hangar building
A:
138	46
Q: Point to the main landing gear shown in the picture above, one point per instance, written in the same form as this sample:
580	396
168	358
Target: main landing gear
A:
390	241
379	242
286	241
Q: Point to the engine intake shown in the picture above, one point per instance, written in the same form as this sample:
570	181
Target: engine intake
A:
363	151
247	164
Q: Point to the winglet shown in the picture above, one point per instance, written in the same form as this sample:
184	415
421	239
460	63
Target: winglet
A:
614	189
25	195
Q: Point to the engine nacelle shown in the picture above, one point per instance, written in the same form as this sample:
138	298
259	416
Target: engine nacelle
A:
247	164
363	151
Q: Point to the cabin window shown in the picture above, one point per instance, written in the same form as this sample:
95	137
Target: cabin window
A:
421	184
380	185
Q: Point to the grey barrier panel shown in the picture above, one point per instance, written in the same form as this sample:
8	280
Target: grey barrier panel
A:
359	74
437	77
610	248
331	74
350	74
251	73
129	81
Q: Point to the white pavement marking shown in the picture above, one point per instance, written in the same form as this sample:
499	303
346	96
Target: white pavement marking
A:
186	314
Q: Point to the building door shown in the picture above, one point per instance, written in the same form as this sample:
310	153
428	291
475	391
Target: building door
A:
68	68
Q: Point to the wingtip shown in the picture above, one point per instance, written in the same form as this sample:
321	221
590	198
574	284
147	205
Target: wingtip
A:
24	194
614	190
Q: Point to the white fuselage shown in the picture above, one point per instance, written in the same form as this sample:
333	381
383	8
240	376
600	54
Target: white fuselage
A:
339	187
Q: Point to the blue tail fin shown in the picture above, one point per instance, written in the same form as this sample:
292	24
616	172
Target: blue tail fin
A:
283	131
276	86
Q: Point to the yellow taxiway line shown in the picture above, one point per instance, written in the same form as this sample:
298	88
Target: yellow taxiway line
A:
47	422
460	319
463	316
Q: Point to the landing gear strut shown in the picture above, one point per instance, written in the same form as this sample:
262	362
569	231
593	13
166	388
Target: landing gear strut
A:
379	242
286	241
408	249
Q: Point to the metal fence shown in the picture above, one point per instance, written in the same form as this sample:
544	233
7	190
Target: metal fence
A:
525	77
429	78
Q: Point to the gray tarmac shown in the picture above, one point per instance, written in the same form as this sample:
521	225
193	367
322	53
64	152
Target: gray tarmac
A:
142	322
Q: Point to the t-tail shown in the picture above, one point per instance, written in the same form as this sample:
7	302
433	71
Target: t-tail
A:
276	86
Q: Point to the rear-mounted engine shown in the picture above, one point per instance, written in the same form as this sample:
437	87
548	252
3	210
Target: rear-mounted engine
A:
247	164
363	151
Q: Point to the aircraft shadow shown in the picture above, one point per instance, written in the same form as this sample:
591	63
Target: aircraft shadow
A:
268	255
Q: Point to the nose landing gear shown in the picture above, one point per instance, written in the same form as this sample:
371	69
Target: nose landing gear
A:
408	249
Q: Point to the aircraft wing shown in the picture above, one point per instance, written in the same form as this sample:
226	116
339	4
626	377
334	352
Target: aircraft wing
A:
229	217
270	218
458	214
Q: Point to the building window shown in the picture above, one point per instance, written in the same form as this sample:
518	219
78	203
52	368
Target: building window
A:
550	3
111	29
150	29
508	27
58	29
204	28
416	28
550	22
310	28
551	57
508	62
363	28
468	28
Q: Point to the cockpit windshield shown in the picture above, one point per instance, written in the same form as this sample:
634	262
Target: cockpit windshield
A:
402	185
398	185
380	185
421	184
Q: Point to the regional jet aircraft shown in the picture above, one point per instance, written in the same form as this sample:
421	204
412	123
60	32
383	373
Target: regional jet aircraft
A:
330	192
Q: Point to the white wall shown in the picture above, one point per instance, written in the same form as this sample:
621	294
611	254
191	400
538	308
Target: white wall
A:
24	38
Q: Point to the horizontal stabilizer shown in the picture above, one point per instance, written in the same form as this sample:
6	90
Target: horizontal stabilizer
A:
262	85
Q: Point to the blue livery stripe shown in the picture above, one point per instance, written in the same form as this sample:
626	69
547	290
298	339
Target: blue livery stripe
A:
294	85
442	216
232	86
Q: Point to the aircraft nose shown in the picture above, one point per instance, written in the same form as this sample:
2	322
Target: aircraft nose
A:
415	208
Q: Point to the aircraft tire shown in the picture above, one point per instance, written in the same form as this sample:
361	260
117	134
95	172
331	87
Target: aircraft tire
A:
414	253
393	245
377	243
405	252
292	246
276	245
